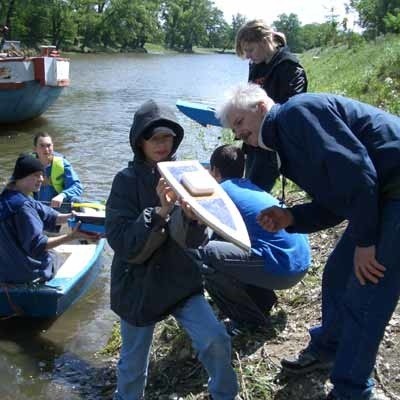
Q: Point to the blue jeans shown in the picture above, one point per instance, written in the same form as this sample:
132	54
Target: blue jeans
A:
354	317
209	339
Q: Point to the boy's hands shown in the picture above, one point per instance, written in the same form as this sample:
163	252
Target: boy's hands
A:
167	197
78	234
57	201
188	211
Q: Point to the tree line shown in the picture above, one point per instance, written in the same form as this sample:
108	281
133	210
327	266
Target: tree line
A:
180	25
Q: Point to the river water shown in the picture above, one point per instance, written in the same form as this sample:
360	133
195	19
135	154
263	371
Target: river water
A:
89	124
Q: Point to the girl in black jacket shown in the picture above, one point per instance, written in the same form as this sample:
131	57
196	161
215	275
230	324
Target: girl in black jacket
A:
279	73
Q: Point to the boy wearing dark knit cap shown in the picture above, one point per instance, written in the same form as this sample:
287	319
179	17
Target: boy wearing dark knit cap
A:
24	166
24	248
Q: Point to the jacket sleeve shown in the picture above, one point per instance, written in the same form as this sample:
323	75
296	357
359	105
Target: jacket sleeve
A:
133	233
47	214
349	187
291	80
187	233
72	185
29	230
311	217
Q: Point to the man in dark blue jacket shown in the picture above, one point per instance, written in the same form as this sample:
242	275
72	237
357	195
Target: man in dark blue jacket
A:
346	156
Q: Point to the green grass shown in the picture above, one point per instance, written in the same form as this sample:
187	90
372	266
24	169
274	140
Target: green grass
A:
368	72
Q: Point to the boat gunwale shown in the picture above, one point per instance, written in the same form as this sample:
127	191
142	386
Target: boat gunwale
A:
69	282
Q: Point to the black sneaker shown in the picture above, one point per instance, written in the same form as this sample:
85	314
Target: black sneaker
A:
232	327
304	362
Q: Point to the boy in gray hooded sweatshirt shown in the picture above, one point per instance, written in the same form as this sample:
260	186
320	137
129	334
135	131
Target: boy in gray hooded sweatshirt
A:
152	273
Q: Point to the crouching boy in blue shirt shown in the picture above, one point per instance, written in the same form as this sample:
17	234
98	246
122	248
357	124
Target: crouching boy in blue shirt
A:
242	283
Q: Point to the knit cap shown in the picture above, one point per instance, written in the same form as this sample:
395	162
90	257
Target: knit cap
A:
25	165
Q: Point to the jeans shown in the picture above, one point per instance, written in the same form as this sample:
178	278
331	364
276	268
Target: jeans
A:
209	339
245	267
239	284
354	317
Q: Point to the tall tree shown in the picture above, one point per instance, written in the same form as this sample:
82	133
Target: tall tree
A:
217	30
238	21
29	22
129	24
88	15
312	36
187	22
291	27
372	14
61	23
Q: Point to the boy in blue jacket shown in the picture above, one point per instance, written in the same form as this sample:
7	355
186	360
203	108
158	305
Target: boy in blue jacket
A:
346	155
239	282
25	251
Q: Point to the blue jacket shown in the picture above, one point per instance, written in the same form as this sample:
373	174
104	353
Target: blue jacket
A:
23	255
72	185
343	153
283	253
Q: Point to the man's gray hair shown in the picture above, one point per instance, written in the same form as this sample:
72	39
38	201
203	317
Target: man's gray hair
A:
241	97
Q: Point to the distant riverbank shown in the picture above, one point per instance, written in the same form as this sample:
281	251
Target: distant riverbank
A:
148	48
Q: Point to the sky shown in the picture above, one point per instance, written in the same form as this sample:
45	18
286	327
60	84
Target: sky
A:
308	11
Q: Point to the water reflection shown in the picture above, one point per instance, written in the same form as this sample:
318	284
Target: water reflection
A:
41	367
44	359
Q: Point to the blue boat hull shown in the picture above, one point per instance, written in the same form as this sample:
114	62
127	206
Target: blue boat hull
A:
201	113
51	299
28	102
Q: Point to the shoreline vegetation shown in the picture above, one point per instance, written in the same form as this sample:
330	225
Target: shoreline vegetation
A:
149	48
368	72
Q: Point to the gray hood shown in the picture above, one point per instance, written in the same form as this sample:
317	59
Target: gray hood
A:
149	116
